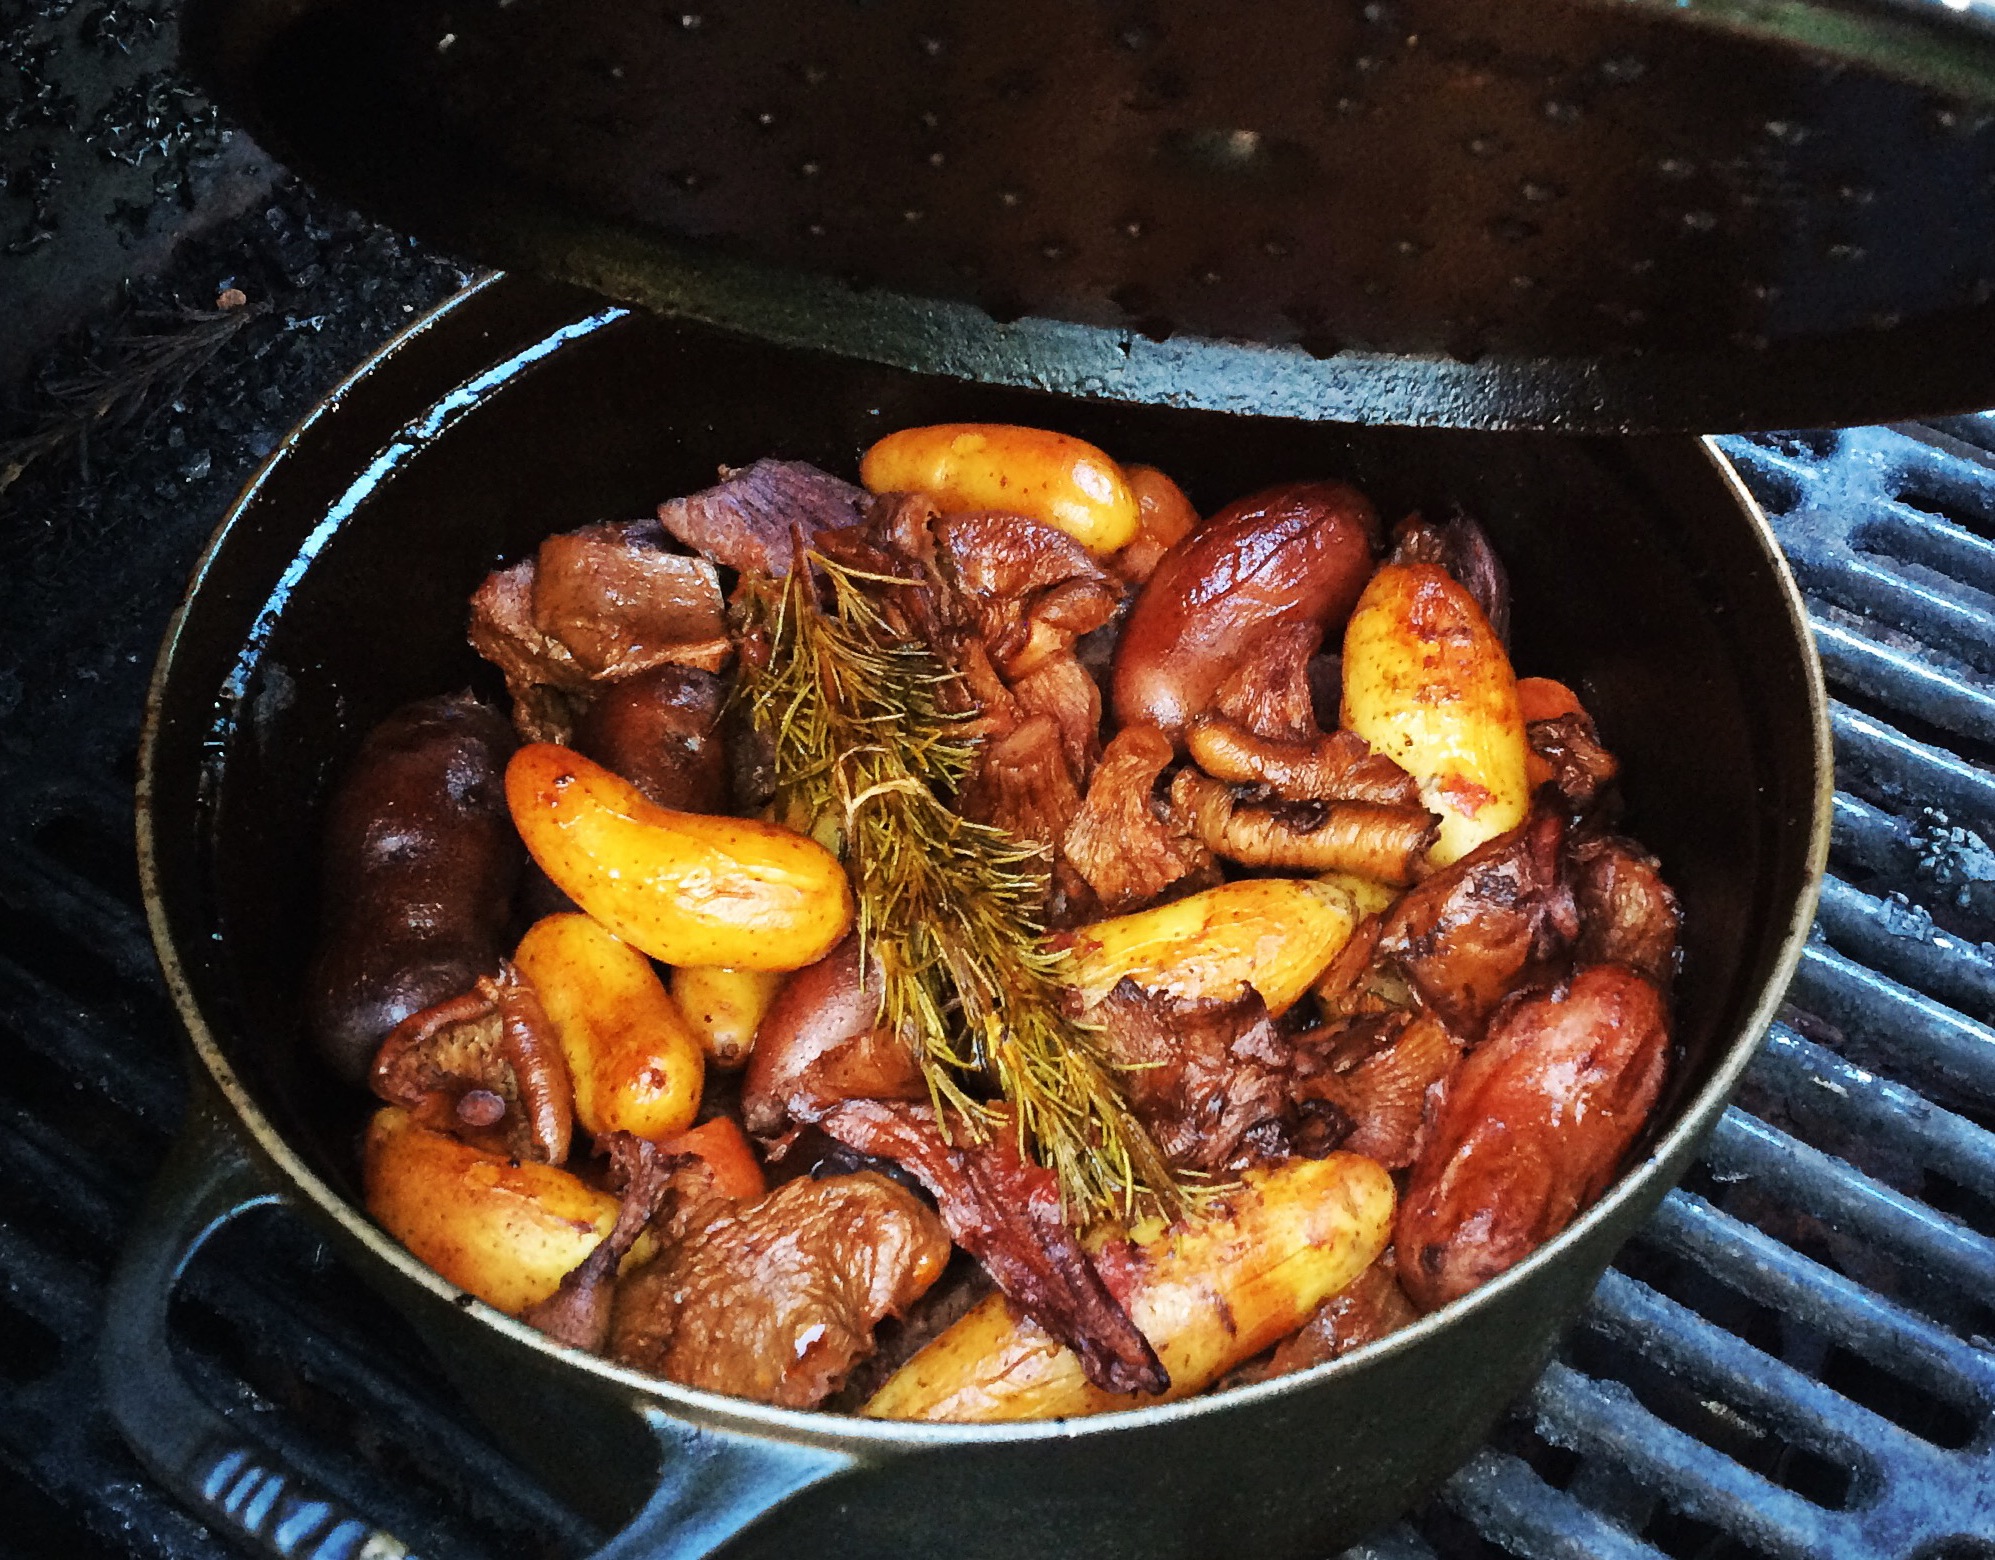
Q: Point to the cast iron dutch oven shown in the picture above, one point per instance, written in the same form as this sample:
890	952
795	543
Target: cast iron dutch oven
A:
336	590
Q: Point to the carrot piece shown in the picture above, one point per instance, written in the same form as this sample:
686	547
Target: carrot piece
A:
1543	699
725	1148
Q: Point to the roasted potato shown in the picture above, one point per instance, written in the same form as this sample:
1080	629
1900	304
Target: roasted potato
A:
1207	1294
683	887
725	1008
1060	481
1427	683
1274	934
503	1231
635	1063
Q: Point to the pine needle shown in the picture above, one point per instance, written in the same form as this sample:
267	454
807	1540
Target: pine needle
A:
948	907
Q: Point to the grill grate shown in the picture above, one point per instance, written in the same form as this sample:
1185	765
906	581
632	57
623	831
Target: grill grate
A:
1793	1359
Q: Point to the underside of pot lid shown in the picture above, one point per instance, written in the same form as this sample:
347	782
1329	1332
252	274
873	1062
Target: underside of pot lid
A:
1595	216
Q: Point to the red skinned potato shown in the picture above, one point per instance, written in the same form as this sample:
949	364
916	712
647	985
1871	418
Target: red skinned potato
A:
1531	1129
1300	553
419	867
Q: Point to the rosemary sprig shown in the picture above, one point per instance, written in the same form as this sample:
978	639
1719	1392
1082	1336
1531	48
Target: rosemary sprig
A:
948	907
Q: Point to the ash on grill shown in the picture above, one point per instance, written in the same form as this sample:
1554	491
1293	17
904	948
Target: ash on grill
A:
1793	1359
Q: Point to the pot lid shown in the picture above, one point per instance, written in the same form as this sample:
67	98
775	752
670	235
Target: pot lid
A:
1595	215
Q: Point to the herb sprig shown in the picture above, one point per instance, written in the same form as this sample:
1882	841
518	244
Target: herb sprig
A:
866	740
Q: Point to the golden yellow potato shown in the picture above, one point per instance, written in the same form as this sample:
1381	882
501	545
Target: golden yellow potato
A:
725	1008
683	887
1427	684
1207	1294
505	1232
1370	895
635	1063
1274	934
1063	482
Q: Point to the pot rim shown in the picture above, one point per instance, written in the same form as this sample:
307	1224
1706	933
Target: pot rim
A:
851	1433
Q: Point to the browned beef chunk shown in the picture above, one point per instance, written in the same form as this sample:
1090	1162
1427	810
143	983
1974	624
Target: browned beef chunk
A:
1339	766
623	604
595	606
1032	590
750	519
1209	1079
776	1300
541	674
578	1313
822	1042
1126	841
1581	768
1005	1211
660	731
1462	938
1380	1071
1268	690
1462	547
1627	913
1370	1307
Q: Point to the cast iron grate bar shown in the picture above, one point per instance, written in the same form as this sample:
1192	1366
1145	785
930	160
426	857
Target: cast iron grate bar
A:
1793	1359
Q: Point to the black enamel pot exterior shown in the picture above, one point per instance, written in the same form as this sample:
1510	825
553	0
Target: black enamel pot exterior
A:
336	591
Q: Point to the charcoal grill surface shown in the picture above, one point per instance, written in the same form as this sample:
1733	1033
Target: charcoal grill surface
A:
1795	1358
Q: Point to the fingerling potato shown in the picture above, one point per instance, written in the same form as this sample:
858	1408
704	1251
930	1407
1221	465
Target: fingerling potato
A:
635	1063
1427	683
1060	481
682	887
506	1232
1207	1295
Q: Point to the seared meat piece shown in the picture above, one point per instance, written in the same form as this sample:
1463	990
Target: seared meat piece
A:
1337	767
1031	590
776	1300
486	1065
1129	846
1385	843
1022	783
1209	1079
1627	913
595	605
541	674
660	731
578	1313
1268	689
1462	938
821	1042
622	604
1005	1211
1460	546
749	521
1379	1071
1570	748
1531	1129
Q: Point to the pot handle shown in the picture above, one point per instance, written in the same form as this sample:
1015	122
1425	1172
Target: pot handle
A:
711	1484
230	1481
